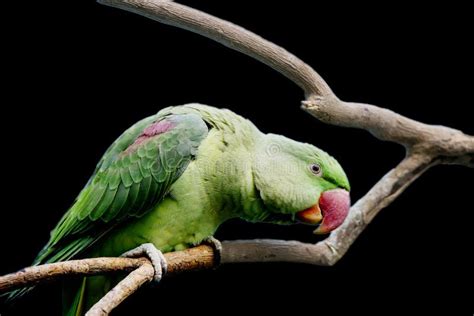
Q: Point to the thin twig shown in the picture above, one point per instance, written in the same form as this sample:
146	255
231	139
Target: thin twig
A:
129	285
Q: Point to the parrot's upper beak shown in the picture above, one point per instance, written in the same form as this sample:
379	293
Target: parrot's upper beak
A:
330	211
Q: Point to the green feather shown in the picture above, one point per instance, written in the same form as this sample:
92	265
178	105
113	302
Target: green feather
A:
142	166
130	204
113	178
104	204
127	180
134	171
119	201
176	187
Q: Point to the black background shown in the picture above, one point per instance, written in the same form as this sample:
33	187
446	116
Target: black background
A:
76	74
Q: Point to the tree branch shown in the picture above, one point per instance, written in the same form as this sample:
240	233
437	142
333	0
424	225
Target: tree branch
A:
230	35
426	145
333	248
321	102
129	285
390	126
193	259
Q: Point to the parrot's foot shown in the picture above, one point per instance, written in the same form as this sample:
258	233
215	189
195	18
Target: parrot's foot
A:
216	246
156	257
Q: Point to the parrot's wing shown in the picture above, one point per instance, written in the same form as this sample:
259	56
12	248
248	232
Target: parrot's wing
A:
135	173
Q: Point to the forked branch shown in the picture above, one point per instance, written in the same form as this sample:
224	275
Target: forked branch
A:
426	146
193	259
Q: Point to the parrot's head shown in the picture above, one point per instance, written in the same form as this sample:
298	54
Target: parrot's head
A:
299	182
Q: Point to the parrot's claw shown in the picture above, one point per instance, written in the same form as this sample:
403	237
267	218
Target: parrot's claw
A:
216	246
156	257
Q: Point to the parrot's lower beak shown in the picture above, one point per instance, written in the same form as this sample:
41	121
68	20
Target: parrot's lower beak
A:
312	215
330	211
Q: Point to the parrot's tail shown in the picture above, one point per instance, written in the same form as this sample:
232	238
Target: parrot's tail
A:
73	298
48	255
14	295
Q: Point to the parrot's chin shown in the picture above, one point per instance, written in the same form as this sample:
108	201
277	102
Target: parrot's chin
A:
330	211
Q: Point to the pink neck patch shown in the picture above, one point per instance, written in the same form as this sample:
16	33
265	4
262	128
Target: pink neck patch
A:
335	205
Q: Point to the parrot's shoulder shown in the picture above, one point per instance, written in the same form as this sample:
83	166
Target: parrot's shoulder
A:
221	119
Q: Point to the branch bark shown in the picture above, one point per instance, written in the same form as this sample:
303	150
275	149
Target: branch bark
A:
193	259
426	146
230	35
129	285
333	248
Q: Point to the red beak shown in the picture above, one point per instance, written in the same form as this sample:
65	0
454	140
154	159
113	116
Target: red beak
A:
330	212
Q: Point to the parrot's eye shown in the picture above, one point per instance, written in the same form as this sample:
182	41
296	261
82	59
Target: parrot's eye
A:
316	169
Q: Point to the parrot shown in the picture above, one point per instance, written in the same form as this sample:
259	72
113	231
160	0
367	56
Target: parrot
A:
173	178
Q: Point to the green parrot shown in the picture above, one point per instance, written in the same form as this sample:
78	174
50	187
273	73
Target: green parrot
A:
171	179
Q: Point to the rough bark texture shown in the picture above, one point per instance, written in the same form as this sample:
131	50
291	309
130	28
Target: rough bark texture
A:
53	271
129	285
197	258
426	146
